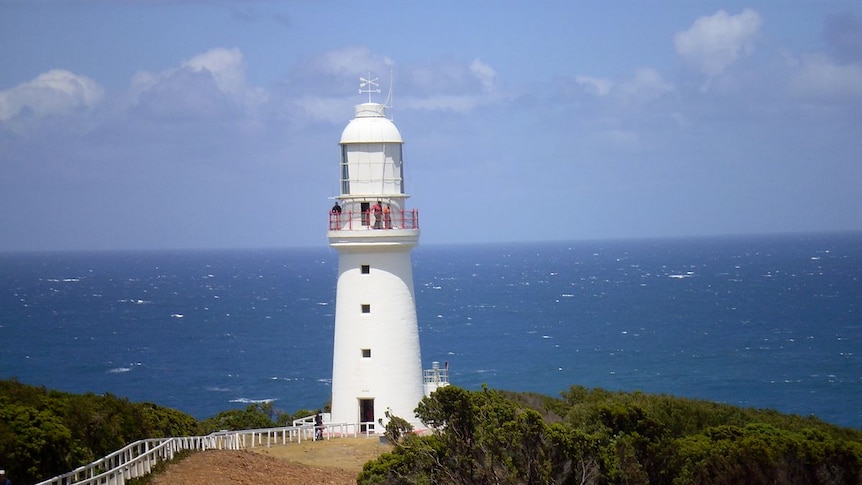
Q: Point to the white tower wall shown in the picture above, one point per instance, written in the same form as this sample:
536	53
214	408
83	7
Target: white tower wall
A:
376	354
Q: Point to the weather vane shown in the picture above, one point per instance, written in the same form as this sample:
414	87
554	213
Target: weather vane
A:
368	86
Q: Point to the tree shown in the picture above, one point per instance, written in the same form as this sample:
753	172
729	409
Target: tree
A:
253	416
613	438
36	443
397	428
478	437
45	433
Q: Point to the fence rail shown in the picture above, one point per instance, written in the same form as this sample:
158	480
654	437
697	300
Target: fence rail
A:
140	457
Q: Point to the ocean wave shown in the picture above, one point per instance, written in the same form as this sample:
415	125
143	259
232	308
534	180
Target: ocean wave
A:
688	274
245	400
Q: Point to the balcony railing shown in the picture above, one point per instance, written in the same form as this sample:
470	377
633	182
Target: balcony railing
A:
353	221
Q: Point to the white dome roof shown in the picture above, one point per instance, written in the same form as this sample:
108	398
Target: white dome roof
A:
370	126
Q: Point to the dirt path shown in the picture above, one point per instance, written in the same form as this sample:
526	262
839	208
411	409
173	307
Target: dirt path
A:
334	462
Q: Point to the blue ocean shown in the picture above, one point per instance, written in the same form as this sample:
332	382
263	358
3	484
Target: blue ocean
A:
756	321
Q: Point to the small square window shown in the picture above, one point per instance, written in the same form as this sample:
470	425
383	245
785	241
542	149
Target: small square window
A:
366	353
366	308
366	268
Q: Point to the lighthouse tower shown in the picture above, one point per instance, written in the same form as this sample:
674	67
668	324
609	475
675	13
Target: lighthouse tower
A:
376	365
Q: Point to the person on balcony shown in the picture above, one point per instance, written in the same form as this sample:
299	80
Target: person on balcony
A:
334	218
377	209
387	217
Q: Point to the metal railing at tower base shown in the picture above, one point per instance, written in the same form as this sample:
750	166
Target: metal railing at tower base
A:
352	221
435	377
140	458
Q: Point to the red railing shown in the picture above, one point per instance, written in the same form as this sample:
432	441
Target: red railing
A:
352	221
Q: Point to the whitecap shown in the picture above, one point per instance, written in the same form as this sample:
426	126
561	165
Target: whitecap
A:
119	370
246	400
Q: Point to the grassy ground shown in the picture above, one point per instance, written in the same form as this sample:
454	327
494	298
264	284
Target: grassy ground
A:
333	462
347	454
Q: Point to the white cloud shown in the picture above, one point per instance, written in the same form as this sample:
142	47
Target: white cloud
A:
208	83
352	60
52	93
594	85
142	82
713	43
819	78
335	70
225	65
485	74
647	84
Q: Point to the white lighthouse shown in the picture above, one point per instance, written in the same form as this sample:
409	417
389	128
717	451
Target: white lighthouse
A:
376	364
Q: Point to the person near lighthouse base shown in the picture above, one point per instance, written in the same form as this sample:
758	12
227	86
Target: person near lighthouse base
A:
318	427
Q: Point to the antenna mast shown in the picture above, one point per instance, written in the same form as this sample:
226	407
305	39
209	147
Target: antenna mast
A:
390	100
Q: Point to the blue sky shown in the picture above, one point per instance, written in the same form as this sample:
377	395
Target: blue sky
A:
188	124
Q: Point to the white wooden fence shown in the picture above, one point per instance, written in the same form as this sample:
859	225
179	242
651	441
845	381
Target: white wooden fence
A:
140	457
